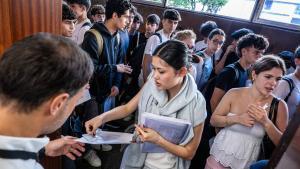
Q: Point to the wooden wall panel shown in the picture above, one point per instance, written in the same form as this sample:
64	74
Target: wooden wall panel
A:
20	18
5	30
280	39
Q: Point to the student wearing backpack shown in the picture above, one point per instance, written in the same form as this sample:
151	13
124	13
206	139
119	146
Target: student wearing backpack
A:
106	55
171	18
288	88
80	8
230	55
249	49
205	69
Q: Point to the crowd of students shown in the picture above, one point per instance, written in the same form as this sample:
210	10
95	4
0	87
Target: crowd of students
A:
234	95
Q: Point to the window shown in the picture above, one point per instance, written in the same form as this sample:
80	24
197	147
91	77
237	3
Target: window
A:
154	2
233	8
284	12
280	13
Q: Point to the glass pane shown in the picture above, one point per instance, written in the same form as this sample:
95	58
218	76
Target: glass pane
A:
151	1
285	11
233	8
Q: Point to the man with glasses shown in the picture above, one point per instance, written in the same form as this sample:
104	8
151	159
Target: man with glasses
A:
215	41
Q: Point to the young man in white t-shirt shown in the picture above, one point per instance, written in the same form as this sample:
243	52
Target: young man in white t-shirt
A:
171	18
80	8
283	89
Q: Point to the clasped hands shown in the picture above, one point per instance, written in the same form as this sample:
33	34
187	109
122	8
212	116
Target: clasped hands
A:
255	113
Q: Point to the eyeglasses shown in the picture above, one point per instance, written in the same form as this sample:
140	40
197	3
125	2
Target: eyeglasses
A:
217	42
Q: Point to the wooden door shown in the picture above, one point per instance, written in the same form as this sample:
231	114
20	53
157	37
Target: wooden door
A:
20	18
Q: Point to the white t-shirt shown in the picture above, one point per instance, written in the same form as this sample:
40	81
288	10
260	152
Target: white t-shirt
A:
24	144
283	89
154	41
80	30
201	45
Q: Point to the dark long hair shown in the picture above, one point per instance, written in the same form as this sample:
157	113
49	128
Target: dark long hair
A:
173	52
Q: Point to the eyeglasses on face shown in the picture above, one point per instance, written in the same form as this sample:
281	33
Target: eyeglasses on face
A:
217	42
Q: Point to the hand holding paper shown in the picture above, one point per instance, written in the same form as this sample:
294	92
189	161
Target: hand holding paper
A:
147	134
172	129
93	124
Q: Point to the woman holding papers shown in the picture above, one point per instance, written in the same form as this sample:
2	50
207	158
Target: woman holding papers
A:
247	115
170	91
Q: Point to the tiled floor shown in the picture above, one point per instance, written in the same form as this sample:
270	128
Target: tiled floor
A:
110	160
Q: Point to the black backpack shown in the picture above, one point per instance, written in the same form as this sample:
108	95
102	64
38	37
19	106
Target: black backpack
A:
291	86
209	87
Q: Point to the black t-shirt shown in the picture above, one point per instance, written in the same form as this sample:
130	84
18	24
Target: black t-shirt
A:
226	80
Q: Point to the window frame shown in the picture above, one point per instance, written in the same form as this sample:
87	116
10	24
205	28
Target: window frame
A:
254	17
148	2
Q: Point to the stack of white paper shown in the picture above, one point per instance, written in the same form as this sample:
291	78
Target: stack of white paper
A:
106	137
172	129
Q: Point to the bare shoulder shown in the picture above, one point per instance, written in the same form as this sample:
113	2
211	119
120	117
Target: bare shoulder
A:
282	105
237	91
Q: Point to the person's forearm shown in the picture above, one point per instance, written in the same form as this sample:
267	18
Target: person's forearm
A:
146	66
116	113
223	121
177	150
213	104
272	131
220	65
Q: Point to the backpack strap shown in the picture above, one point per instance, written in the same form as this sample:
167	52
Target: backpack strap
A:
232	66
99	40
291	86
159	36
273	110
138	39
86	24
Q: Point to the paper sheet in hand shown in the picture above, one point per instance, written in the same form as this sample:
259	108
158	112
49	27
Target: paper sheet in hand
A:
106	137
172	129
